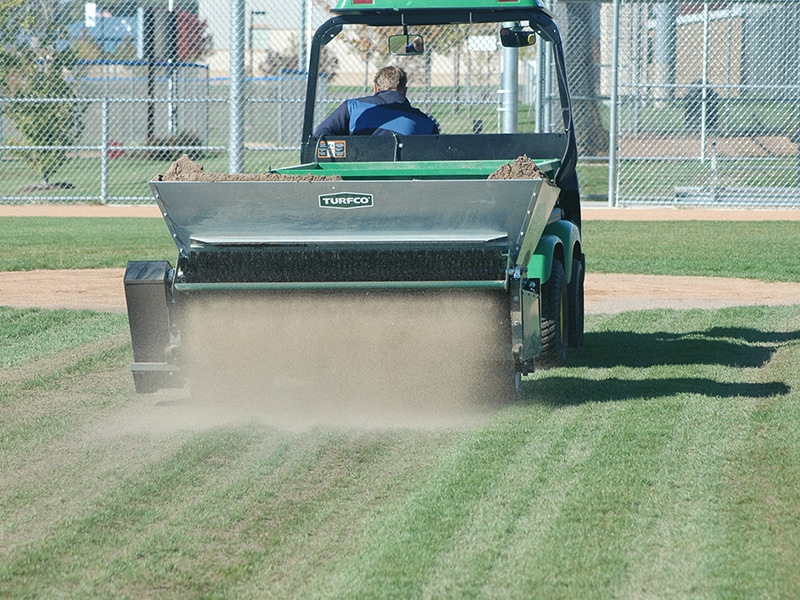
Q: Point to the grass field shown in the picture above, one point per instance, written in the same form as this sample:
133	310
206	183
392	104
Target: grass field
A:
705	248
663	462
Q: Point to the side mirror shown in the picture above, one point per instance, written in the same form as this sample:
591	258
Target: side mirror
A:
406	45
517	37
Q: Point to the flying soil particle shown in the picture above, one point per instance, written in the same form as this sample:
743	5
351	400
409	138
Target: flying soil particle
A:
185	169
422	359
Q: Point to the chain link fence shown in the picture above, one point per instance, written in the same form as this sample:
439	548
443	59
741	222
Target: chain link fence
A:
680	103
707	103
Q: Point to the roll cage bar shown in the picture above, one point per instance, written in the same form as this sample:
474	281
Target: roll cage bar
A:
539	20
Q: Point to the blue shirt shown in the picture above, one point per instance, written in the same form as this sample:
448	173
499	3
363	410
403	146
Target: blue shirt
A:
384	113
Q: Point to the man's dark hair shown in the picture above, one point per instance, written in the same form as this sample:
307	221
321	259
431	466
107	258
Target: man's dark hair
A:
391	78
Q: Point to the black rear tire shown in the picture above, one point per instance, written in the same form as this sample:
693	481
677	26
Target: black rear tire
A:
576	311
554	317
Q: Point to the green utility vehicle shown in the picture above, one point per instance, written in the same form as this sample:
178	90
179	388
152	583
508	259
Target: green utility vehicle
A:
404	256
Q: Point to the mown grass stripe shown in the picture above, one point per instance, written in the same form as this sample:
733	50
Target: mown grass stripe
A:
712	249
408	539
583	516
673	544
31	334
758	554
30	414
28	243
130	511
672	472
530	492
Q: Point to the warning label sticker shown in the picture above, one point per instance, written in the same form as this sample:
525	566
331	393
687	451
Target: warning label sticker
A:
332	149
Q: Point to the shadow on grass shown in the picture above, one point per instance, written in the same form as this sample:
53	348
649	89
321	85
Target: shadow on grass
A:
729	347
724	346
572	391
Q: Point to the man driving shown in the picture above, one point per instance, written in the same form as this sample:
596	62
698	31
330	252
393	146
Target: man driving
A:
386	112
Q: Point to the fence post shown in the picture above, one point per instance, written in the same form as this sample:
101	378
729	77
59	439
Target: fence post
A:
236	91
612	126
703	110
104	154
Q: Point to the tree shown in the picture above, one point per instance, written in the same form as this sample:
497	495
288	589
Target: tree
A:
55	122
34	75
194	41
7	10
452	41
368	43
276	62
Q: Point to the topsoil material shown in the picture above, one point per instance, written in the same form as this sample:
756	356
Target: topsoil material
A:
521	168
185	169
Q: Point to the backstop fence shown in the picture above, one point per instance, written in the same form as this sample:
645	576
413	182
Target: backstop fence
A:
675	102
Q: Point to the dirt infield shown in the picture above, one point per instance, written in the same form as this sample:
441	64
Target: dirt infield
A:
102	289
595	211
79	210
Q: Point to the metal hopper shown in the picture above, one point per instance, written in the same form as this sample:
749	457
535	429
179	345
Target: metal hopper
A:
323	234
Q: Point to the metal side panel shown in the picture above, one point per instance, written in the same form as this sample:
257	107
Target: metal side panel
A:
146	295
535	223
337	212
531	326
526	327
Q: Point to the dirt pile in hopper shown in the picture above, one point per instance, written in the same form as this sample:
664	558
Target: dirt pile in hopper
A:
185	169
521	168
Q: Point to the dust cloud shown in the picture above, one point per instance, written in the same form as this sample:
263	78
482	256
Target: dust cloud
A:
362	359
